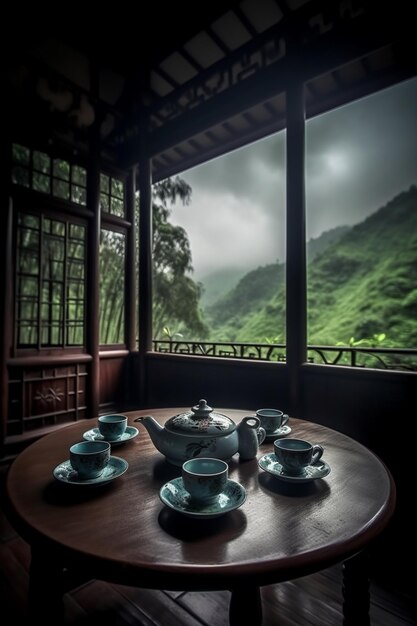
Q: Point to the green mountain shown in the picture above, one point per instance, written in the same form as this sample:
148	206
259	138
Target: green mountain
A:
361	284
217	284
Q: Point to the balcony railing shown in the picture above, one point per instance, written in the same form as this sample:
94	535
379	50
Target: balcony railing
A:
403	359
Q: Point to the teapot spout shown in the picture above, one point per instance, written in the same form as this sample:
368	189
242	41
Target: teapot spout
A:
154	429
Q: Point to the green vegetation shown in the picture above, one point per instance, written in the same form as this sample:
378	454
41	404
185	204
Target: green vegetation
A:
176	296
361	285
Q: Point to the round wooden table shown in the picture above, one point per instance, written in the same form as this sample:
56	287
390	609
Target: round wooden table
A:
123	533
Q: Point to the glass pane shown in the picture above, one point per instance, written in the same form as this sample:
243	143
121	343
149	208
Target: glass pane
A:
78	195
104	203
58	228
41	162
117	188
28	286
104	183
20	176
28	263
20	154
361	211
40	182
29	239
112	287
79	175
28	220
76	269
76	231
60	189
61	169
28	334
28	310
117	207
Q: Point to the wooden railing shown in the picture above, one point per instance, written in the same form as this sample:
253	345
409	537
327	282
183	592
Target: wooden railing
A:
403	359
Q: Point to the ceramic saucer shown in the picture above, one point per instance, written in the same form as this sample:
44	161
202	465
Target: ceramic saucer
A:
176	497
95	435
270	464
282	431
115	467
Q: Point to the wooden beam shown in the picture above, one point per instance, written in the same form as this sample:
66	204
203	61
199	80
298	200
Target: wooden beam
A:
345	42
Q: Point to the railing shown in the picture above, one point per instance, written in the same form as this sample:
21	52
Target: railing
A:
403	359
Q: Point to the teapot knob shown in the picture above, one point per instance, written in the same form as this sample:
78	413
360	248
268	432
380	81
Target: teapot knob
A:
202	409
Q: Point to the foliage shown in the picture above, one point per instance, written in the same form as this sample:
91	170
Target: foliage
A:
175	294
360	285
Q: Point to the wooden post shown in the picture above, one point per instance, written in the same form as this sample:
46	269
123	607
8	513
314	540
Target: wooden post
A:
131	283
145	262
93	255
296	244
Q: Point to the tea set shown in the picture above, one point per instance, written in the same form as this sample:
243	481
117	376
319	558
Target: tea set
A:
201	442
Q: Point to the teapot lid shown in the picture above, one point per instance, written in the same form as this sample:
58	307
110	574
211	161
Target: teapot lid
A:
201	421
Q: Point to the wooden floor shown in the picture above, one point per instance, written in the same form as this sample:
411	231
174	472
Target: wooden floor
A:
311	601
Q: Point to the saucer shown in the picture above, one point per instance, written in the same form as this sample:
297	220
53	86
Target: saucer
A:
176	497
282	431
115	467
95	435
270	464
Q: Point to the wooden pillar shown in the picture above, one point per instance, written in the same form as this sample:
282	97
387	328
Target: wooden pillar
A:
131	282
93	273
145	263
296	244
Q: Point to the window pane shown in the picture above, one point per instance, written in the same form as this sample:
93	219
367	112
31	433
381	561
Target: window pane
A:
117	207
361	224
61	169
104	183
104	203
21	154
60	189
78	195
40	182
41	162
20	176
112	287
79	175
117	188
232	233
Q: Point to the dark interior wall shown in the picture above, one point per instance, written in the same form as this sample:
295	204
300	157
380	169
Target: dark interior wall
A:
182	381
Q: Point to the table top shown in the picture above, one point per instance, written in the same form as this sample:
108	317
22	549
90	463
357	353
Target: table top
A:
125	533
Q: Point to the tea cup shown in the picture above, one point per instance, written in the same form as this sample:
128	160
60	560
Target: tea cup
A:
112	427
205	478
272	419
295	455
89	458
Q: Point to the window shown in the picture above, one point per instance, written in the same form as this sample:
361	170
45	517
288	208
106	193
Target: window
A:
112	287
50	282
112	195
56	177
362	226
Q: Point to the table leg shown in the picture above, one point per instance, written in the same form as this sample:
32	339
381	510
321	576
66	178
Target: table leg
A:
356	591
46	589
245	606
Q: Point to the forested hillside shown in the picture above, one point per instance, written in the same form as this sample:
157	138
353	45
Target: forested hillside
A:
360	284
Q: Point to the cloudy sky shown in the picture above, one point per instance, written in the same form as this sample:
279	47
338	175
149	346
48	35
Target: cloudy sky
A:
357	158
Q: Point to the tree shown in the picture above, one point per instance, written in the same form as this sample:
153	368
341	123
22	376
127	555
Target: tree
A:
175	294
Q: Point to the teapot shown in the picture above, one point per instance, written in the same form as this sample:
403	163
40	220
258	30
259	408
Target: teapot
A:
202	432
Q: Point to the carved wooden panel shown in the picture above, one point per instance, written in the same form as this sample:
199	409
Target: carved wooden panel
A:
44	396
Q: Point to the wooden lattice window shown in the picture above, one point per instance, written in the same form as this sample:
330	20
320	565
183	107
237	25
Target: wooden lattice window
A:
50	282
37	170
112	195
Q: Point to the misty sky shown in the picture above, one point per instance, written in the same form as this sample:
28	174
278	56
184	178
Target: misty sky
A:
357	158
